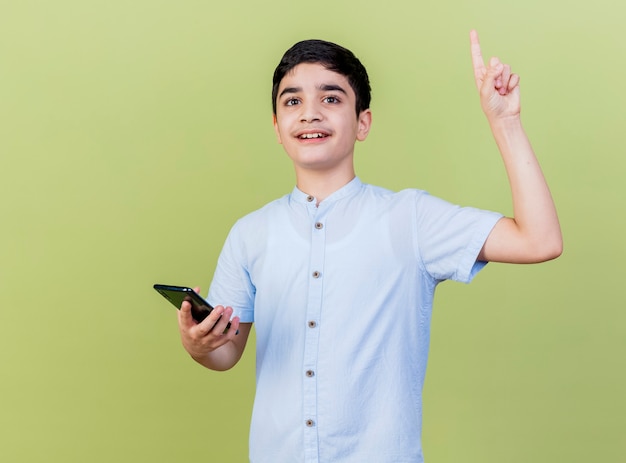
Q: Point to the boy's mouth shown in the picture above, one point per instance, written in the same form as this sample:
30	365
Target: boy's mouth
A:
312	135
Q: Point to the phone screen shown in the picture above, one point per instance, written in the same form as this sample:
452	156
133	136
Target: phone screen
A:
200	309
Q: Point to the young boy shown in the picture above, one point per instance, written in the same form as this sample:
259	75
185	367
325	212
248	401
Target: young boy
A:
339	276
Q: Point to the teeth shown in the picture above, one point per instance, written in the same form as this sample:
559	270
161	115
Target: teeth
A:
312	135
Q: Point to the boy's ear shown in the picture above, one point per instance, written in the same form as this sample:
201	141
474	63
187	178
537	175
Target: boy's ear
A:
275	122
365	123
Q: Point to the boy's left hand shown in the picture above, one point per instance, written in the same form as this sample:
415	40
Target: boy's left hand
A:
498	87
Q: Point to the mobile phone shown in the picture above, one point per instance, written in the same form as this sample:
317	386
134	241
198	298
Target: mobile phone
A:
200	309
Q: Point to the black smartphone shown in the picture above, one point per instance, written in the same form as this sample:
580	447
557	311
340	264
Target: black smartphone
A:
200	309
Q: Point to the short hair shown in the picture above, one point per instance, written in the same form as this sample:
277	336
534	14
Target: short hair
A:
334	58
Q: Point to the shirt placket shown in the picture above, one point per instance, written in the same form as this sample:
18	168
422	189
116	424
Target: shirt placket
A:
311	342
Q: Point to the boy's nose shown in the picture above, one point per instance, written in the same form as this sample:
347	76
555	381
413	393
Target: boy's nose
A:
310	113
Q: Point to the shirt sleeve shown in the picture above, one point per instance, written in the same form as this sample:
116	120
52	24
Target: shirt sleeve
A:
450	237
231	285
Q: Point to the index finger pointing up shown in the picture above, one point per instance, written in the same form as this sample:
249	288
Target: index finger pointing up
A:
477	58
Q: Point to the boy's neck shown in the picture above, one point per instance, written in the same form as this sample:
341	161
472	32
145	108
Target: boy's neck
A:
321	185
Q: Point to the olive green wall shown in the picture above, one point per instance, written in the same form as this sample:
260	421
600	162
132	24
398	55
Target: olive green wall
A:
134	133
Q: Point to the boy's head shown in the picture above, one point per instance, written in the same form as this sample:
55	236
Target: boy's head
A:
334	58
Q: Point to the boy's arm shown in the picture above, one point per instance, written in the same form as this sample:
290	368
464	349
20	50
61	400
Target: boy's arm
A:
207	343
533	233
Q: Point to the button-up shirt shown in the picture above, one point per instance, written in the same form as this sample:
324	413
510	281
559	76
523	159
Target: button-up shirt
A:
341	297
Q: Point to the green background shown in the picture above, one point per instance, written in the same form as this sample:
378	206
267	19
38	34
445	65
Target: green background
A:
134	133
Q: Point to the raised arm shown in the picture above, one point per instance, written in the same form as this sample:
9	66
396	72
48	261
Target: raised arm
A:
533	234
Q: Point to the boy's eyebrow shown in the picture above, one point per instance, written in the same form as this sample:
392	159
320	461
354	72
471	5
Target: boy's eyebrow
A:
290	90
332	87
324	87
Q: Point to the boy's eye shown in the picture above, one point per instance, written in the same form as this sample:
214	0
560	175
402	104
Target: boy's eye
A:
292	102
331	99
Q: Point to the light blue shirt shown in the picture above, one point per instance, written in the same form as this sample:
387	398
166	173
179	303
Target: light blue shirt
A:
341	297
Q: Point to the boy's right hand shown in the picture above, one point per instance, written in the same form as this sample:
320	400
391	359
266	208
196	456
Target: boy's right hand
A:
200	339
497	85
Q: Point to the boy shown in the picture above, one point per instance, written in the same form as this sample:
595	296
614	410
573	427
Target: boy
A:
339	276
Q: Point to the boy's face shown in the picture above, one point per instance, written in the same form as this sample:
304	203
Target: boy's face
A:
315	118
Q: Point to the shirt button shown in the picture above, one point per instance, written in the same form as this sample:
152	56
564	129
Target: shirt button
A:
319	225
312	323
316	274
309	423
310	198
310	373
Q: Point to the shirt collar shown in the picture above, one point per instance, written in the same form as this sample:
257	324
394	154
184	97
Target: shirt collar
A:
348	189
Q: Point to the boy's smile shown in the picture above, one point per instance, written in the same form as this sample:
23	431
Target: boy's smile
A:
316	121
